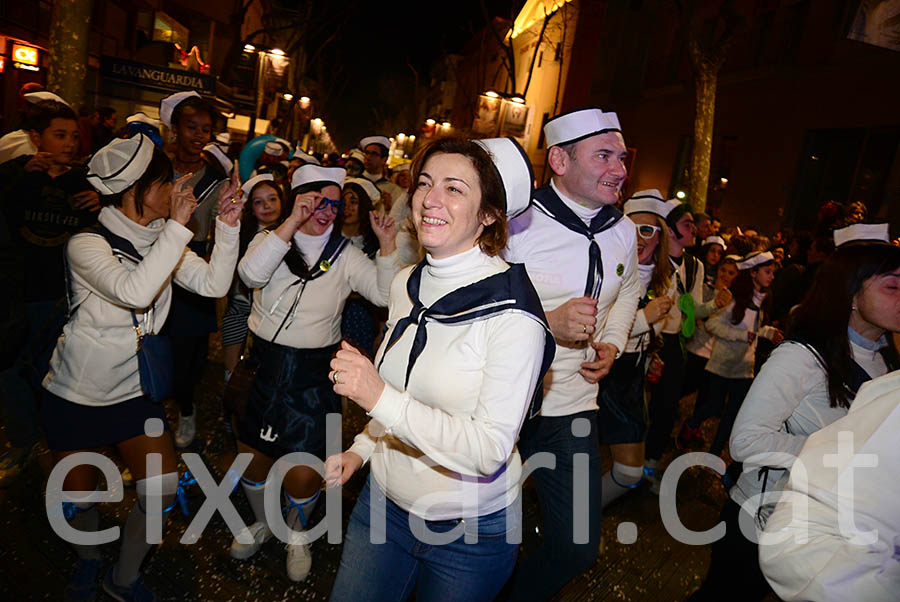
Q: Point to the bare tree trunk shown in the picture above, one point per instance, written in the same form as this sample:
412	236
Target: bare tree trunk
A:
705	81
67	67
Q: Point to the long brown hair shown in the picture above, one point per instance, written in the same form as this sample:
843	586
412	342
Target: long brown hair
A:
822	318
742	290
661	279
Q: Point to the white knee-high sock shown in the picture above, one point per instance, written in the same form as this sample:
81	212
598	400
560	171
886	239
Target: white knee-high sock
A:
256	495
134	538
618	481
86	518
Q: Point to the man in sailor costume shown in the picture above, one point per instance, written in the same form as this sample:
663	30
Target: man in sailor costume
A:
581	254
376	150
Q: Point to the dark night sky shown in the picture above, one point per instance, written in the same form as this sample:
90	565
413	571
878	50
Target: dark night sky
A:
380	38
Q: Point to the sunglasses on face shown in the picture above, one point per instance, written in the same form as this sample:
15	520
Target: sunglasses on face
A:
337	205
646	230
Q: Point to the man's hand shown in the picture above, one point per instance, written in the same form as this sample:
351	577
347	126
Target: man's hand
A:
574	320
598	369
87	199
39	162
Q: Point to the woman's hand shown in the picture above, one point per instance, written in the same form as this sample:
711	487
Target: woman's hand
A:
723	298
657	309
355	377
303	208
385	229
340	467
231	202
183	202
751	336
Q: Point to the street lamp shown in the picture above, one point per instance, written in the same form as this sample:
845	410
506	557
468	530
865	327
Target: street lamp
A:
288	96
446	125
249	47
680	194
429	122
491	94
277	52
517	99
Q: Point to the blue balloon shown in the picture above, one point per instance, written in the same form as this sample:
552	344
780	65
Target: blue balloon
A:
250	155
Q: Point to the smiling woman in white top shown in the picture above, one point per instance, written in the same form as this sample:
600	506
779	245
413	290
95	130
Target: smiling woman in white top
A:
302	273
120	278
466	345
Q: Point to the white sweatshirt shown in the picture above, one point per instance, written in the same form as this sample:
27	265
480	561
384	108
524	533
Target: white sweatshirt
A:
830	563
787	402
95	361
557	263
467	398
317	320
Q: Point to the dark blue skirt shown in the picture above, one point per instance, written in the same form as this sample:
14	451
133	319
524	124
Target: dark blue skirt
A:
72	426
623	410
289	400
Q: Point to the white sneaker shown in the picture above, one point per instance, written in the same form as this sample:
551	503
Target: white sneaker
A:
299	557
260	534
187	428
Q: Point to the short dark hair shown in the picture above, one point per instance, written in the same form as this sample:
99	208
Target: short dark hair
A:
159	171
382	148
201	105
46	111
493	195
106	112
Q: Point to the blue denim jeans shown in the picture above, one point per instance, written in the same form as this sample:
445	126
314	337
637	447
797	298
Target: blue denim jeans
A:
563	512
442	573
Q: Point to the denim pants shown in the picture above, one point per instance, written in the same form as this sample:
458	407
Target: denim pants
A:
20	384
441	573
571	523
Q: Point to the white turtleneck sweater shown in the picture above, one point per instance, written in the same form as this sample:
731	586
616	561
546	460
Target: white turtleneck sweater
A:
317	320
468	393
557	263
95	361
787	402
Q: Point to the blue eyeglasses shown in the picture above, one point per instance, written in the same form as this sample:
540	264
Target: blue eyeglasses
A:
337	205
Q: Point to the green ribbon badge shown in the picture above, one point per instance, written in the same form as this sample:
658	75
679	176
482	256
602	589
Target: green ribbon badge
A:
324	265
620	269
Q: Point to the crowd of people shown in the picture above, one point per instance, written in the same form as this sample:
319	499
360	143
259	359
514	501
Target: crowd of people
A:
490	329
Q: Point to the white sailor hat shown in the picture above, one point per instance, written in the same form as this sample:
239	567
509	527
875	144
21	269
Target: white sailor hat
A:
42	95
249	184
316	174
274	149
573	126
515	172
754	259
167	106
223	138
357	155
715	240
143	118
734	258
286	144
370	188
119	164
402	167
861	232
648	201
306	158
382	140
216	151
